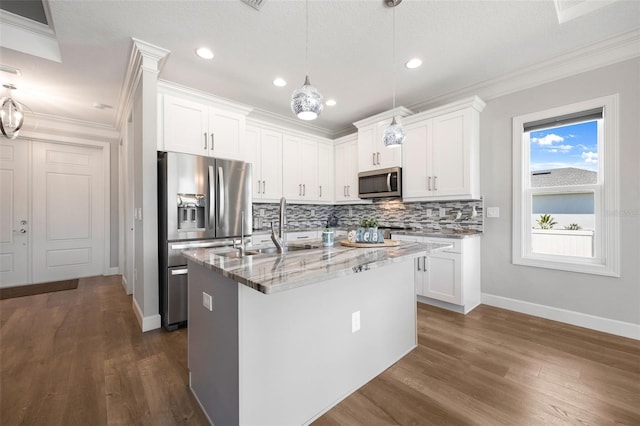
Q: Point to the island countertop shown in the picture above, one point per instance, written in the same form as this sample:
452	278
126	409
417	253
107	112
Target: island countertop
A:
271	273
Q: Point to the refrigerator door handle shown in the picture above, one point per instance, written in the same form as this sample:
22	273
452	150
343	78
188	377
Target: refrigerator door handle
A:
211	199
221	195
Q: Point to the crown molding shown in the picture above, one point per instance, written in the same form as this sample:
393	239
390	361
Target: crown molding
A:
613	50
169	87
27	36
144	57
44	126
292	123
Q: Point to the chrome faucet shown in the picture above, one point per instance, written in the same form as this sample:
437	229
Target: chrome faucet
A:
241	245
279	239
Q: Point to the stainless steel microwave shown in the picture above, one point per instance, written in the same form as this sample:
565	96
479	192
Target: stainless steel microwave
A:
380	183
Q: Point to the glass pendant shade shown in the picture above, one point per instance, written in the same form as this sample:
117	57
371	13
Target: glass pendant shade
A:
393	135
307	102
11	117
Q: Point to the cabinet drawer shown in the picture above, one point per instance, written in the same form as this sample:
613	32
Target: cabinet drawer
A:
301	236
457	243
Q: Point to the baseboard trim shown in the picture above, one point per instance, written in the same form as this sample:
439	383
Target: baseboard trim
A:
606	325
149	323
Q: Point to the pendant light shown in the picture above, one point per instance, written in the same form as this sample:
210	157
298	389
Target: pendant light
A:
393	135
11	115
307	102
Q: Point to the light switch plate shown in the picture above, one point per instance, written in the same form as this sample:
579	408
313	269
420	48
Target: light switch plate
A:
207	301
355	321
493	211
442	212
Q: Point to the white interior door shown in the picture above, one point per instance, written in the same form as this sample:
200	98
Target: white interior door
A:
14	210
68	212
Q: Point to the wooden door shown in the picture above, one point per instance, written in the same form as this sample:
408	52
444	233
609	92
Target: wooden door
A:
14	213
68	212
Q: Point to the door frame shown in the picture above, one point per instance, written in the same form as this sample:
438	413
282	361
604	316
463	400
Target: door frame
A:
105	148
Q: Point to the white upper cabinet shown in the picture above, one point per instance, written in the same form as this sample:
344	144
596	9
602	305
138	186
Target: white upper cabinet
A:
441	152
346	171
200	125
372	154
263	149
325	173
300	169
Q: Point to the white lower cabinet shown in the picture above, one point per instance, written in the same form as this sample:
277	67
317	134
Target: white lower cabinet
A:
451	278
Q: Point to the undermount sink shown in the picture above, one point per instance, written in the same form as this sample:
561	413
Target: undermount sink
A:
237	254
271	250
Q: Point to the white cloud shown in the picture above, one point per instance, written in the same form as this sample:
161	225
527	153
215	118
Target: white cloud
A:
590	157
549	139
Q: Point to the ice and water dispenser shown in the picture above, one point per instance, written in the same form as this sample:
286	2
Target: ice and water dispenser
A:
191	211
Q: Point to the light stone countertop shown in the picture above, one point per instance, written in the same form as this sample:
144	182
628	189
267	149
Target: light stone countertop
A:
271	273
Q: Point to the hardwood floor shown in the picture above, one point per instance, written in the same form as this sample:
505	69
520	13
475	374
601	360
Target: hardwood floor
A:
77	357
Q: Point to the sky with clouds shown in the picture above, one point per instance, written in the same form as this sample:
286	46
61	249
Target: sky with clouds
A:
575	145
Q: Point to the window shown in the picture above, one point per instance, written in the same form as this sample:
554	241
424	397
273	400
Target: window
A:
565	193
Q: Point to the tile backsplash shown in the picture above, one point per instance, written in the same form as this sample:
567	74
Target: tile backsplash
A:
456	214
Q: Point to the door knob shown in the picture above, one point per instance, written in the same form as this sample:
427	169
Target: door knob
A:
23	231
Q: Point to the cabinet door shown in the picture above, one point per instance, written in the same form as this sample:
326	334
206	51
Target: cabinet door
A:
366	155
340	191
443	277
251	154
385	156
451	154
291	183
325	173
271	156
308	169
416	173
185	126
226	130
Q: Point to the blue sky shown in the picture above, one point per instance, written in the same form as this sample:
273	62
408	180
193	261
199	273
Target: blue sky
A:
575	145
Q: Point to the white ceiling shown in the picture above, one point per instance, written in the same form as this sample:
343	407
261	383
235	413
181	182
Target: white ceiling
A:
461	43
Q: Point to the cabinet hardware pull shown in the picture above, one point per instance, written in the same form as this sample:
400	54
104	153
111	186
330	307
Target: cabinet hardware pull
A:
304	189
299	190
429	183
435	183
424	263
418	263
205	140
213	142
320	191
264	187
373	158
378	158
259	187
344	191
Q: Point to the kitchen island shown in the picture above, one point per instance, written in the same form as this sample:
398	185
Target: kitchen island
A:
278	339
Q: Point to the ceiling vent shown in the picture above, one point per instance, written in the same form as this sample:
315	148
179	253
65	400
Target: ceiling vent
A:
256	4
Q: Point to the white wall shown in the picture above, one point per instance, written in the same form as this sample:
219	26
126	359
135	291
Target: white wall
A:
610	298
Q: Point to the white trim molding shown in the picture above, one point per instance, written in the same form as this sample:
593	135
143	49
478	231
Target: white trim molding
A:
605	325
152	322
606	260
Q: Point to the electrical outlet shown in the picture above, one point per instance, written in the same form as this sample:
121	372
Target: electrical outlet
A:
493	211
442	212
207	301
313	212
429	212
355	321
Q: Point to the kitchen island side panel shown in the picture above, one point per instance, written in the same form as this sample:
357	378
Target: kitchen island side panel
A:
298	354
213	344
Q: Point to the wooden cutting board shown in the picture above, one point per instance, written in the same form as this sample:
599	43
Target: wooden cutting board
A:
387	243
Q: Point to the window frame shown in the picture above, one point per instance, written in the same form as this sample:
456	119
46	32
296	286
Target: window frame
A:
606	260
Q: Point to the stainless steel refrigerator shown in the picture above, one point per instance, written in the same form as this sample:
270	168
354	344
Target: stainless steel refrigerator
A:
202	202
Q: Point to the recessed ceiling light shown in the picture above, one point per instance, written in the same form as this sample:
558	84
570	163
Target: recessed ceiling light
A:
331	102
280	82
413	63
204	53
